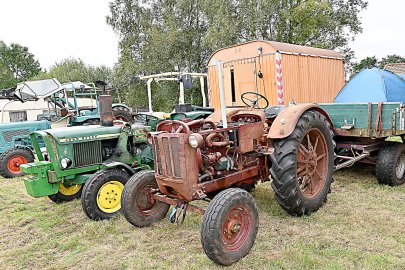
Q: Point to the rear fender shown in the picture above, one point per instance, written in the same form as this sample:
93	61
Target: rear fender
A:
287	119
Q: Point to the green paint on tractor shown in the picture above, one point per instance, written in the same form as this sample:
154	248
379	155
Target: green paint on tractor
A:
86	150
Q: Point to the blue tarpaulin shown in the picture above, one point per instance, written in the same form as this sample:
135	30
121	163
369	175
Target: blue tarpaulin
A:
373	85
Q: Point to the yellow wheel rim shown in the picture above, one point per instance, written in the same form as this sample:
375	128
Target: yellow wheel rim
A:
69	191
109	196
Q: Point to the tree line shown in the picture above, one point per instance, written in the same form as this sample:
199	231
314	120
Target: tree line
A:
179	35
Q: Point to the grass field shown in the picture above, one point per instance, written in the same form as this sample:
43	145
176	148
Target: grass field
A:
362	226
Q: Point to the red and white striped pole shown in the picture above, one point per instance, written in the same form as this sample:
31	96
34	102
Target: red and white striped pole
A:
279	77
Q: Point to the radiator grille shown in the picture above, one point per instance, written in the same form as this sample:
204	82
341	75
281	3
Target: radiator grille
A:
87	153
156	154
9	134
168	156
175	154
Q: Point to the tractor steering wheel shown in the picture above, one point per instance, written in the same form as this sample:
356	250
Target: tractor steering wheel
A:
173	126
254	102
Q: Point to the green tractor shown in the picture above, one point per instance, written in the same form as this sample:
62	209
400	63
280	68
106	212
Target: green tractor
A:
94	162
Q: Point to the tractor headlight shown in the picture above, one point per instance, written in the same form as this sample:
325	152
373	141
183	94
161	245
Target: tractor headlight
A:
195	140
65	163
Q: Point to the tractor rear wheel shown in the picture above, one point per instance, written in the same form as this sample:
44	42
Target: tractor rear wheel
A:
122	113
138	205
11	160
101	198
302	165
390	168
229	226
66	193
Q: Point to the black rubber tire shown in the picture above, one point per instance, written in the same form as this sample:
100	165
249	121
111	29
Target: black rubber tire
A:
8	154
387	163
122	112
214	218
61	198
132	189
284	166
92	187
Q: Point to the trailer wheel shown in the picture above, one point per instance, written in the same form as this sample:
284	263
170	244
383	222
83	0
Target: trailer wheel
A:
390	168
122	113
138	205
302	165
101	198
12	159
66	193
229	226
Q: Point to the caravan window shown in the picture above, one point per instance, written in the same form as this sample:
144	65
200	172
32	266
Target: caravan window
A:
18	116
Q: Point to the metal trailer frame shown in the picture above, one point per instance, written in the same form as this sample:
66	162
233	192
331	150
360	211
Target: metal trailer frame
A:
173	76
362	129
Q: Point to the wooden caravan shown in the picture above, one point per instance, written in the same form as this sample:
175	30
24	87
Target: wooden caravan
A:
281	72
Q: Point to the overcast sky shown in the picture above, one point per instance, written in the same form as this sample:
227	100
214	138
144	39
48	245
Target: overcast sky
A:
57	29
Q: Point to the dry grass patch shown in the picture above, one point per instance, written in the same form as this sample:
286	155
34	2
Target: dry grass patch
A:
362	226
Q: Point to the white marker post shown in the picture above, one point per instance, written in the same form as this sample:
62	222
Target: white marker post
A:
149	82
221	93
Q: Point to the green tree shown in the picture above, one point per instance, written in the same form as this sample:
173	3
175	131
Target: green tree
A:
16	64
70	69
370	62
391	59
166	35
367	62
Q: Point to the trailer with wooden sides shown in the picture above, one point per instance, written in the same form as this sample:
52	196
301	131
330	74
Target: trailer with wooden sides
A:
370	133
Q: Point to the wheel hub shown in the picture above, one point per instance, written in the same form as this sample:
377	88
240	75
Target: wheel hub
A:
109	196
145	201
235	228
14	163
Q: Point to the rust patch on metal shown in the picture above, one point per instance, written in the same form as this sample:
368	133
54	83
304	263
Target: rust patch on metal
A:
287	119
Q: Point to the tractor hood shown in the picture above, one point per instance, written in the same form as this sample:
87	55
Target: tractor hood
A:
84	133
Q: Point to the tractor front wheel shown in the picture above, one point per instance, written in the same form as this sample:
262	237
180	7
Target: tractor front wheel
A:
101	198
11	160
229	226
302	165
138	205
67	193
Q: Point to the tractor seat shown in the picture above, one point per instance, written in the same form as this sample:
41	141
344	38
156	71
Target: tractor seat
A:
273	111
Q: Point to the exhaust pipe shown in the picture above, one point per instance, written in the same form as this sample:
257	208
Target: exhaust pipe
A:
105	110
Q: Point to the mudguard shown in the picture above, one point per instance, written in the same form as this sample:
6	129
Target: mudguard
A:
124	166
287	119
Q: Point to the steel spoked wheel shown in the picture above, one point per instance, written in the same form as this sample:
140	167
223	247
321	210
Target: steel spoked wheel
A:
302	165
390	168
102	193
229	226
11	160
109	196
312	163
67	193
138	204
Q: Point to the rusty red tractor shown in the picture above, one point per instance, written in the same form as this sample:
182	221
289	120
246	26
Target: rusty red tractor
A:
221	161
